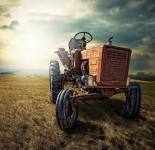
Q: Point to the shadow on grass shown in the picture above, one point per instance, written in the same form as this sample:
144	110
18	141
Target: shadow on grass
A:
100	109
108	110
94	131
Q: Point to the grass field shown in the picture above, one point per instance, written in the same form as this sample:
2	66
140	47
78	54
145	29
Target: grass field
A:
27	119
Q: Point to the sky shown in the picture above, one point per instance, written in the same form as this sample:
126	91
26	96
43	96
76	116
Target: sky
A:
32	30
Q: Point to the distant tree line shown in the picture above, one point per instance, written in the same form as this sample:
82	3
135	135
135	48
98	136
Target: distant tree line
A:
7	73
143	76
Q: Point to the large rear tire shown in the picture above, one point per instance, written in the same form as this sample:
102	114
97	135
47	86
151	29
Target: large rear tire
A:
66	113
133	101
55	80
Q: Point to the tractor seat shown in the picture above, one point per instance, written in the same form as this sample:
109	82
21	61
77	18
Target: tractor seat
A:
74	45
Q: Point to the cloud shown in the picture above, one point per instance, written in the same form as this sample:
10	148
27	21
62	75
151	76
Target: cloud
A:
3	9
8	15
147	44
128	21
140	62
7	4
14	23
11	26
127	11
132	23
6	27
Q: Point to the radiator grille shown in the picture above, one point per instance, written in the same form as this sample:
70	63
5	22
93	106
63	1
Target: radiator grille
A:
115	64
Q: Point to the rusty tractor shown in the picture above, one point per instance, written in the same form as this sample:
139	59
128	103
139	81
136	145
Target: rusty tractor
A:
98	72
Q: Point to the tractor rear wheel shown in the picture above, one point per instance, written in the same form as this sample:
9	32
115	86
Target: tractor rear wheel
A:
55	80
66	111
133	101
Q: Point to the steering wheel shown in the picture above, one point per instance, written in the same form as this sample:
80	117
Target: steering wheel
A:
83	38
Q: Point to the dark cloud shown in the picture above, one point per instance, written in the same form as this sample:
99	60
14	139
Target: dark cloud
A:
135	19
140	62
128	21
128	10
14	23
11	26
147	44
8	15
6	27
5	7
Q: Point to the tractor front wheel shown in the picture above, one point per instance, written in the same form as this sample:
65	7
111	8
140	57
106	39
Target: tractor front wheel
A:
133	101
66	110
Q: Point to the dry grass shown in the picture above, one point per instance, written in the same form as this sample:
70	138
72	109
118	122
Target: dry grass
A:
27	119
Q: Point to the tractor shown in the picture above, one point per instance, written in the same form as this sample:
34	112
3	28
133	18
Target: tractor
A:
99	72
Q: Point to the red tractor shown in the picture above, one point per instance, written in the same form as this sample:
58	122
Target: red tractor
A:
99	72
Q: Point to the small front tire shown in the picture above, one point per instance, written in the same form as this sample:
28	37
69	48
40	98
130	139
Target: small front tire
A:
66	112
133	101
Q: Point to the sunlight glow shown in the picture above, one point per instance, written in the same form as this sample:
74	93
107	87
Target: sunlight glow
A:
32	43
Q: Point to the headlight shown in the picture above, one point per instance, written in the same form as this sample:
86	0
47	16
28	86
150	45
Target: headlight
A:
128	81
90	80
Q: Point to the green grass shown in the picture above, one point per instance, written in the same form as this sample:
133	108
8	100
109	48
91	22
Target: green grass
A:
27	119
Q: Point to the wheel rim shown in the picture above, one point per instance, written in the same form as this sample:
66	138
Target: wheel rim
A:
71	112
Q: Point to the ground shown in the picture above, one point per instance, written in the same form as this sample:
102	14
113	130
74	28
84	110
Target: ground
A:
27	119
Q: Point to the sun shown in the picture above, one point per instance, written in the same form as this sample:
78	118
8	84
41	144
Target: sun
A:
29	50
30	45
32	42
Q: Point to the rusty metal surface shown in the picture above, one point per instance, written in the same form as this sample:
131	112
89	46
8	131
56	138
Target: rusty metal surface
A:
108	92
77	60
109	87
113	65
63	56
86	97
108	63
93	56
105	91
